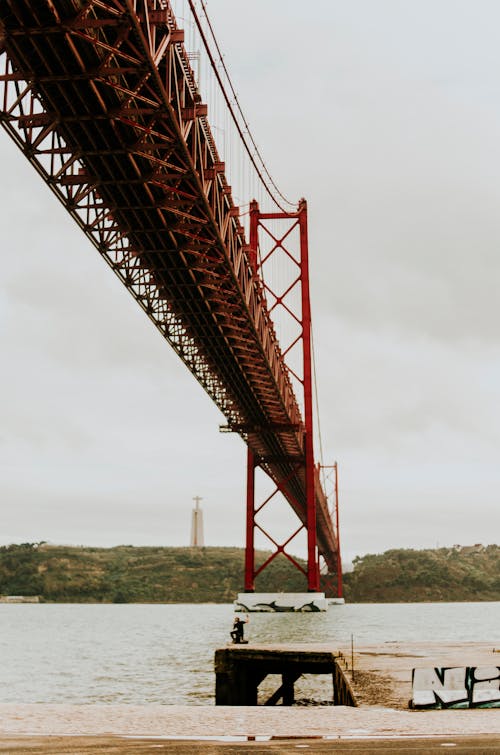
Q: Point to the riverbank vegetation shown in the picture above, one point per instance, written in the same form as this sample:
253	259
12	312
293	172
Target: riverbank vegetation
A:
461	573
127	574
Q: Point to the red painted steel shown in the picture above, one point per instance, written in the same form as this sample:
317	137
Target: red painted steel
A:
340	589
331	582
312	557
249	545
101	98
315	498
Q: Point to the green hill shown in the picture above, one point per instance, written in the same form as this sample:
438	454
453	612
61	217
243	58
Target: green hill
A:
463	573
215	575
127	574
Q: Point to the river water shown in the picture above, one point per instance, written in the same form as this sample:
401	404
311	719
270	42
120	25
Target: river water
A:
145	654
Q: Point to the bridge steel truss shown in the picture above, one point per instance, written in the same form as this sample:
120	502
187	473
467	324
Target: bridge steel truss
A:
100	97
280	240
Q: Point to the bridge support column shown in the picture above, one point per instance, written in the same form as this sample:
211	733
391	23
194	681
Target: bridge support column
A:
340	592
289	242
312	549
250	547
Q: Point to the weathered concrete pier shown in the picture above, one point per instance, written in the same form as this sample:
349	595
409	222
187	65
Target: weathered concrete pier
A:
239	670
367	675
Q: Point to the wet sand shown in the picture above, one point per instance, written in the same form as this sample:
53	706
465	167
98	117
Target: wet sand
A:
225	721
118	746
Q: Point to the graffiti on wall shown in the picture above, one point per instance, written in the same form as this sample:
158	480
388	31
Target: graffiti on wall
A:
300	602
459	687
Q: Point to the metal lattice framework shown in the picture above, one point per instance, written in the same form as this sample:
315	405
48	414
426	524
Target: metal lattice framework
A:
100	97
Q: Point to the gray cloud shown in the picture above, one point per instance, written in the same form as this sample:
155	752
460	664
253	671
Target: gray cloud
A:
386	117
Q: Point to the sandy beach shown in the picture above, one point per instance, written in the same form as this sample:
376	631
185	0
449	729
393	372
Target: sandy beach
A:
198	722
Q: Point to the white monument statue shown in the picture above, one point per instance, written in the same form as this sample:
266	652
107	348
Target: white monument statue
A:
197	524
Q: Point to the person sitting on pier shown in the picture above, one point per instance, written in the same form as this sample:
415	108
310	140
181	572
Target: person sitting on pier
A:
237	631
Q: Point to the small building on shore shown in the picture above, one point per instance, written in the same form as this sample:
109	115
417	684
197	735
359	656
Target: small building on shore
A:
19	599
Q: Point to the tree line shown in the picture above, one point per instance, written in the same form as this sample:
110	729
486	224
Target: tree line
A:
128	574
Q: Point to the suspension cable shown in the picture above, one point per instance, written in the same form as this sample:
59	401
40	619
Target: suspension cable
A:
316	401
251	155
231	110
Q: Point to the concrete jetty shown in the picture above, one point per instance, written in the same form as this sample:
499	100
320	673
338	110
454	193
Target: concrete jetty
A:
364	675
240	669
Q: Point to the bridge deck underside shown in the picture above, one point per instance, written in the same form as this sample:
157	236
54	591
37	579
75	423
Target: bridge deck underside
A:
116	100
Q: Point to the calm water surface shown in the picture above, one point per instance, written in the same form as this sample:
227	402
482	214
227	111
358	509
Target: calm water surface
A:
164	653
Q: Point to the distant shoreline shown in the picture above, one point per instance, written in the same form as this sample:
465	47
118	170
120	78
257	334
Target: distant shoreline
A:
230	603
213	575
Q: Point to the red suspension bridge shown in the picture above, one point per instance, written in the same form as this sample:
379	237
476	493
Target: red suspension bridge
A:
105	98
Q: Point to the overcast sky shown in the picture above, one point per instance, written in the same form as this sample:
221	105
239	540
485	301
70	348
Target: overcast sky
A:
386	116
